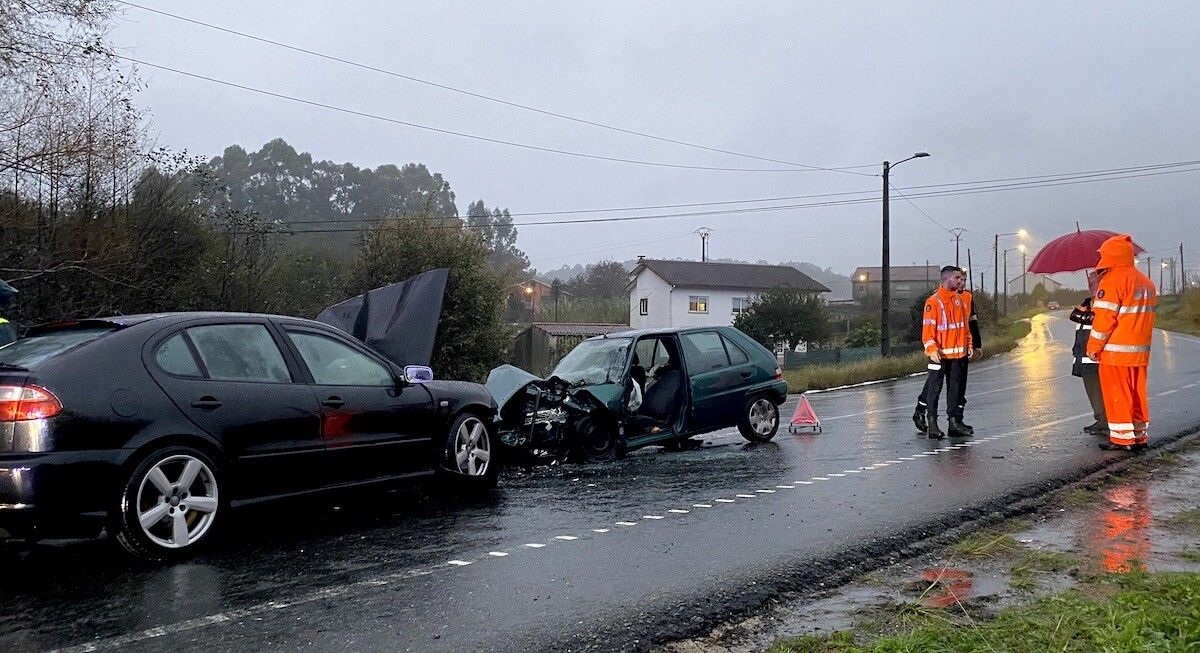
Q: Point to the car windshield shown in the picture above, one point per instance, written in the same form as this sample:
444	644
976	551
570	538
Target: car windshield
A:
28	352
594	361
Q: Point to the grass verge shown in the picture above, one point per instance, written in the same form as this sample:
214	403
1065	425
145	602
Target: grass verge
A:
1182	314
820	377
1120	612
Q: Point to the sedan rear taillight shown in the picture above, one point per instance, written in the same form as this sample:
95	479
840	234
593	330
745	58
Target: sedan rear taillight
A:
778	374
25	402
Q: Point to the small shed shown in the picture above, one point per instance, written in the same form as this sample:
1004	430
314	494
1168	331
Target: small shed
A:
539	347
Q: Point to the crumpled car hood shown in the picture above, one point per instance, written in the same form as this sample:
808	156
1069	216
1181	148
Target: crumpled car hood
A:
399	320
506	381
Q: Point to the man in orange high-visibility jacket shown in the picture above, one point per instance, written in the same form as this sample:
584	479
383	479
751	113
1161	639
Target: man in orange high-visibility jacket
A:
946	333
921	411
1125	305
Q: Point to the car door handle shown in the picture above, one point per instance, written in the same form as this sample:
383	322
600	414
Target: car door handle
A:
747	374
333	402
207	403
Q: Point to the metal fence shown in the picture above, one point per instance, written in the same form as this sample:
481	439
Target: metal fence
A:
842	355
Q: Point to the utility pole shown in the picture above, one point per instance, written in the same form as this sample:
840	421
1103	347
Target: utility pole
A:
982	290
1006	283
1161	271
970	276
957	233
1182	269
704	232
1148	273
996	269
885	295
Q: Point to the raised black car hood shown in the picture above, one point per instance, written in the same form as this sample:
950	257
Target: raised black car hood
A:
399	320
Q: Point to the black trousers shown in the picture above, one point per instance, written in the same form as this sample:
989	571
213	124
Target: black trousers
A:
953	372
962	392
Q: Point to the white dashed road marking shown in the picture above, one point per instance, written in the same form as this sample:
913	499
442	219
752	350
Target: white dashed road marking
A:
497	554
652	516
535	545
599	530
460	563
744	496
726	501
679	511
568	538
701	505
626	523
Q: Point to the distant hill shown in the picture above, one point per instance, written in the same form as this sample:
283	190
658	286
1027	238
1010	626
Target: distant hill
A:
838	284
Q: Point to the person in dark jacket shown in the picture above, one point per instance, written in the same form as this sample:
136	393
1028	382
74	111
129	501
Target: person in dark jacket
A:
1086	368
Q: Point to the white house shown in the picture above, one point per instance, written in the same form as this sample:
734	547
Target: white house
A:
693	293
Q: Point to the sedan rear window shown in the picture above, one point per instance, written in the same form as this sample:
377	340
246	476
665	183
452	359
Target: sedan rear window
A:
28	352
239	352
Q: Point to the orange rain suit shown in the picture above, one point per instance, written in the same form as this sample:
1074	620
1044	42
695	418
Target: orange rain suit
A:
1125	305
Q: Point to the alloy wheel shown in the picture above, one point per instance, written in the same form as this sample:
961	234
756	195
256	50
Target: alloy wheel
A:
177	501
472	448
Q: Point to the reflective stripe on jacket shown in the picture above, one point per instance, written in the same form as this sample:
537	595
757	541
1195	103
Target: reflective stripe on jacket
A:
945	324
1125	305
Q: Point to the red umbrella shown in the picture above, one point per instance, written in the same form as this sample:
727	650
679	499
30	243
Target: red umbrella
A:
1073	252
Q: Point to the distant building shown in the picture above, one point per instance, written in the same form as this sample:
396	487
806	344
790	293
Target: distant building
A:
535	293
693	293
539	347
908	282
1031	281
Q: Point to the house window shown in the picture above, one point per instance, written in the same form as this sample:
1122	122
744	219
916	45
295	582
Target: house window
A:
697	304
740	305
644	306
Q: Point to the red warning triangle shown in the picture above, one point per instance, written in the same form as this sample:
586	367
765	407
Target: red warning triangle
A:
805	418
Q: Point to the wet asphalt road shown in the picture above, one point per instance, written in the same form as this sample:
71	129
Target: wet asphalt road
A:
595	557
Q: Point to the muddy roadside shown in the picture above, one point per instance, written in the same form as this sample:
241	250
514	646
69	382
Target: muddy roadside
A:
1130	538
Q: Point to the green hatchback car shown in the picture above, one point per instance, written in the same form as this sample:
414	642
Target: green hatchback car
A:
630	389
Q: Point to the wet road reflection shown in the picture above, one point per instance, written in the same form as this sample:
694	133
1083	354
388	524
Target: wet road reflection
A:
70	593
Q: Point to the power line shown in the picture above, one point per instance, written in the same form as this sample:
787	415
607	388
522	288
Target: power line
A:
481	96
845	202
874	193
450	132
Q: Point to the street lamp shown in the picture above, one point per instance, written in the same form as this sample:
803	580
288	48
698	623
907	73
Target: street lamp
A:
885	295
1020	233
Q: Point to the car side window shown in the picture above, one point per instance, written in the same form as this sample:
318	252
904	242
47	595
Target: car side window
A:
174	357
737	355
704	352
239	352
336	363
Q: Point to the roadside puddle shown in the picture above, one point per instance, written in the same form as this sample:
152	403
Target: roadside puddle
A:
1147	519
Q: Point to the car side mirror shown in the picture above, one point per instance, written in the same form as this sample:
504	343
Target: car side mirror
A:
415	374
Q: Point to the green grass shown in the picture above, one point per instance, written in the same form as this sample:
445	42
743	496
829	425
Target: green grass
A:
1130	612
992	542
1191	555
821	377
1188	520
1181	314
1026	570
835	643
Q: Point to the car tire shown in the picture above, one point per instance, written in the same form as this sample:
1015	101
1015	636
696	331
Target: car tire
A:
759	421
470	458
169	504
596	440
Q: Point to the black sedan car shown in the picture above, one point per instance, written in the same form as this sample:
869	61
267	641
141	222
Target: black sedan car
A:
154	425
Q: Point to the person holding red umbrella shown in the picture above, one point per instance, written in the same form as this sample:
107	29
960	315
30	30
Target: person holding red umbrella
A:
1125	305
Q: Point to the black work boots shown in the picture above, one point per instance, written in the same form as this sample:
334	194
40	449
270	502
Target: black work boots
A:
932	429
960	430
919	419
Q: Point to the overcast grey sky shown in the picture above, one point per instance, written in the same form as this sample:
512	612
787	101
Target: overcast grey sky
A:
991	90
